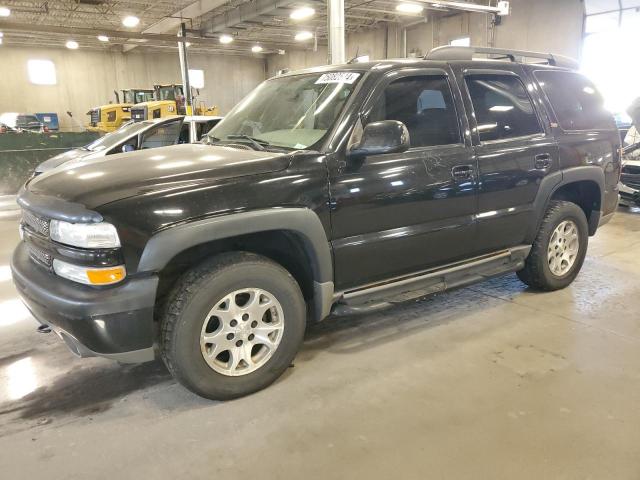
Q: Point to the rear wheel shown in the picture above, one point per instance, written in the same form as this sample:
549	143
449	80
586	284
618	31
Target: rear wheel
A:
232	325
559	249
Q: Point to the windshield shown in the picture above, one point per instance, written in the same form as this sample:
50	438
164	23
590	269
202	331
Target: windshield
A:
114	138
292	112
167	93
137	96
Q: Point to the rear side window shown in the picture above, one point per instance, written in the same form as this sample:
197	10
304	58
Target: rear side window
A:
575	101
502	107
425	105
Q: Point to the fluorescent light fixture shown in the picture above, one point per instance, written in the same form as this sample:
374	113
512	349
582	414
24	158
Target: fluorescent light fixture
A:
226	39
1	34
130	21
409	8
302	36
4	12
103	38
41	72
72	45
0	40
256	49
187	44
302	13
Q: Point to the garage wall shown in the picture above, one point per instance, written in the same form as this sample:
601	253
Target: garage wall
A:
544	25
87	78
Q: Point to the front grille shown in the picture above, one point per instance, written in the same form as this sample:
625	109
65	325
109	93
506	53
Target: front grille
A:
40	256
37	224
631	169
139	114
95	116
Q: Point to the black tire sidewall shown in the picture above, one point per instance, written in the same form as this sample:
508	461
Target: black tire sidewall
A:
568	211
189	364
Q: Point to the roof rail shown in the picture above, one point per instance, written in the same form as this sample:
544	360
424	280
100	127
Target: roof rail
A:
449	52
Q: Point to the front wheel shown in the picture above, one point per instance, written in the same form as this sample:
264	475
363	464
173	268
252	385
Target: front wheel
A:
559	249
232	325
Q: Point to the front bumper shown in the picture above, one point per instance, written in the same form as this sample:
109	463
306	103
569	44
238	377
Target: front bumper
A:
115	322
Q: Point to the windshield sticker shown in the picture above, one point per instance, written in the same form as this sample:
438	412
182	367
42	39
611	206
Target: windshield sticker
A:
338	77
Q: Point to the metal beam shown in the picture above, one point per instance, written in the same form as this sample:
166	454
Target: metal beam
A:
172	23
243	13
92	32
463	6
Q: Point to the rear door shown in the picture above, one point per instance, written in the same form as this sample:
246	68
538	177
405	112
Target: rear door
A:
515	150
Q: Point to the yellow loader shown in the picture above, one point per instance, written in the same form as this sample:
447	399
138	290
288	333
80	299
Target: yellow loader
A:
110	117
168	100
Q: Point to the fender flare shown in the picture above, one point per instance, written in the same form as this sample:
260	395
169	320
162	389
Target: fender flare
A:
303	222
553	182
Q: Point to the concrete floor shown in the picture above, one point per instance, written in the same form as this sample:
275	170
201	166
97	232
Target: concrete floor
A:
493	381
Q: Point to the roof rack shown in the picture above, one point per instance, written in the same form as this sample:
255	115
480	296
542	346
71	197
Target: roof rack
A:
449	52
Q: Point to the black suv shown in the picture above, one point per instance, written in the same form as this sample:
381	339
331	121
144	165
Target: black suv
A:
334	189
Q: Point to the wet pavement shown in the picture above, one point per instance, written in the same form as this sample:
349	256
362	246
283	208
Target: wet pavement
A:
492	381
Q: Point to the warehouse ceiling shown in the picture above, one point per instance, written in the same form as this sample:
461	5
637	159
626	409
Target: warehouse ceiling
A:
248	22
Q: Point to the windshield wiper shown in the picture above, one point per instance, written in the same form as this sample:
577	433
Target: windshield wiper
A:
257	143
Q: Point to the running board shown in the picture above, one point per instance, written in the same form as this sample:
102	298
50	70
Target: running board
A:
428	282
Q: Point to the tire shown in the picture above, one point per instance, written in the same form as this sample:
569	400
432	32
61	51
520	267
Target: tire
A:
537	272
204	293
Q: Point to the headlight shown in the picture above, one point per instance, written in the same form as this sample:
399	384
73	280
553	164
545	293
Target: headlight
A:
84	235
89	275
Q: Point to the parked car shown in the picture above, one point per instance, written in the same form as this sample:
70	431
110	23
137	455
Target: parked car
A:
136	136
23	122
630	177
336	189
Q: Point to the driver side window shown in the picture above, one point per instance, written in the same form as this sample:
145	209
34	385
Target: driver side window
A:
425	105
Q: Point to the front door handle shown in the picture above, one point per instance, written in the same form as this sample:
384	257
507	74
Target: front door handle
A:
462	172
542	161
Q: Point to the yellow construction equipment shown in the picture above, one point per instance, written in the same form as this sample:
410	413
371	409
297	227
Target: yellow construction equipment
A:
168	100
110	117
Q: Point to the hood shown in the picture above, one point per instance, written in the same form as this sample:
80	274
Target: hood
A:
65	157
116	177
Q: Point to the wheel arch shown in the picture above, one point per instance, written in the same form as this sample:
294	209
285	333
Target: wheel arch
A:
584	186
293	237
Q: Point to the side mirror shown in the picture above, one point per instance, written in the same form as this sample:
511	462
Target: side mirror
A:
387	136
127	147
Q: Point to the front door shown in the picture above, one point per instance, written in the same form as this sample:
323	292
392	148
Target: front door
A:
394	214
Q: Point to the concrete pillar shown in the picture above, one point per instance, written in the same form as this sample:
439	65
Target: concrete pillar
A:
335	18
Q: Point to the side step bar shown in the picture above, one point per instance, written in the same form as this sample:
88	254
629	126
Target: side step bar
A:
422	284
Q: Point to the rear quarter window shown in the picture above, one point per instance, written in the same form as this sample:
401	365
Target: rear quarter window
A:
576	102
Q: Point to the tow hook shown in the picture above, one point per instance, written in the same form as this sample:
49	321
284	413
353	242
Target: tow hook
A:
44	329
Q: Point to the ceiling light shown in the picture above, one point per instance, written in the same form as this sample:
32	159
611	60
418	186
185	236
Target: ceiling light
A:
226	39
4	12
103	38
0	40
71	45
409	8
302	13
130	21
187	44
302	36
256	49
1	34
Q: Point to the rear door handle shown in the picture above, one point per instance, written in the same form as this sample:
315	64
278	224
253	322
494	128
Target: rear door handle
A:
462	172
542	161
